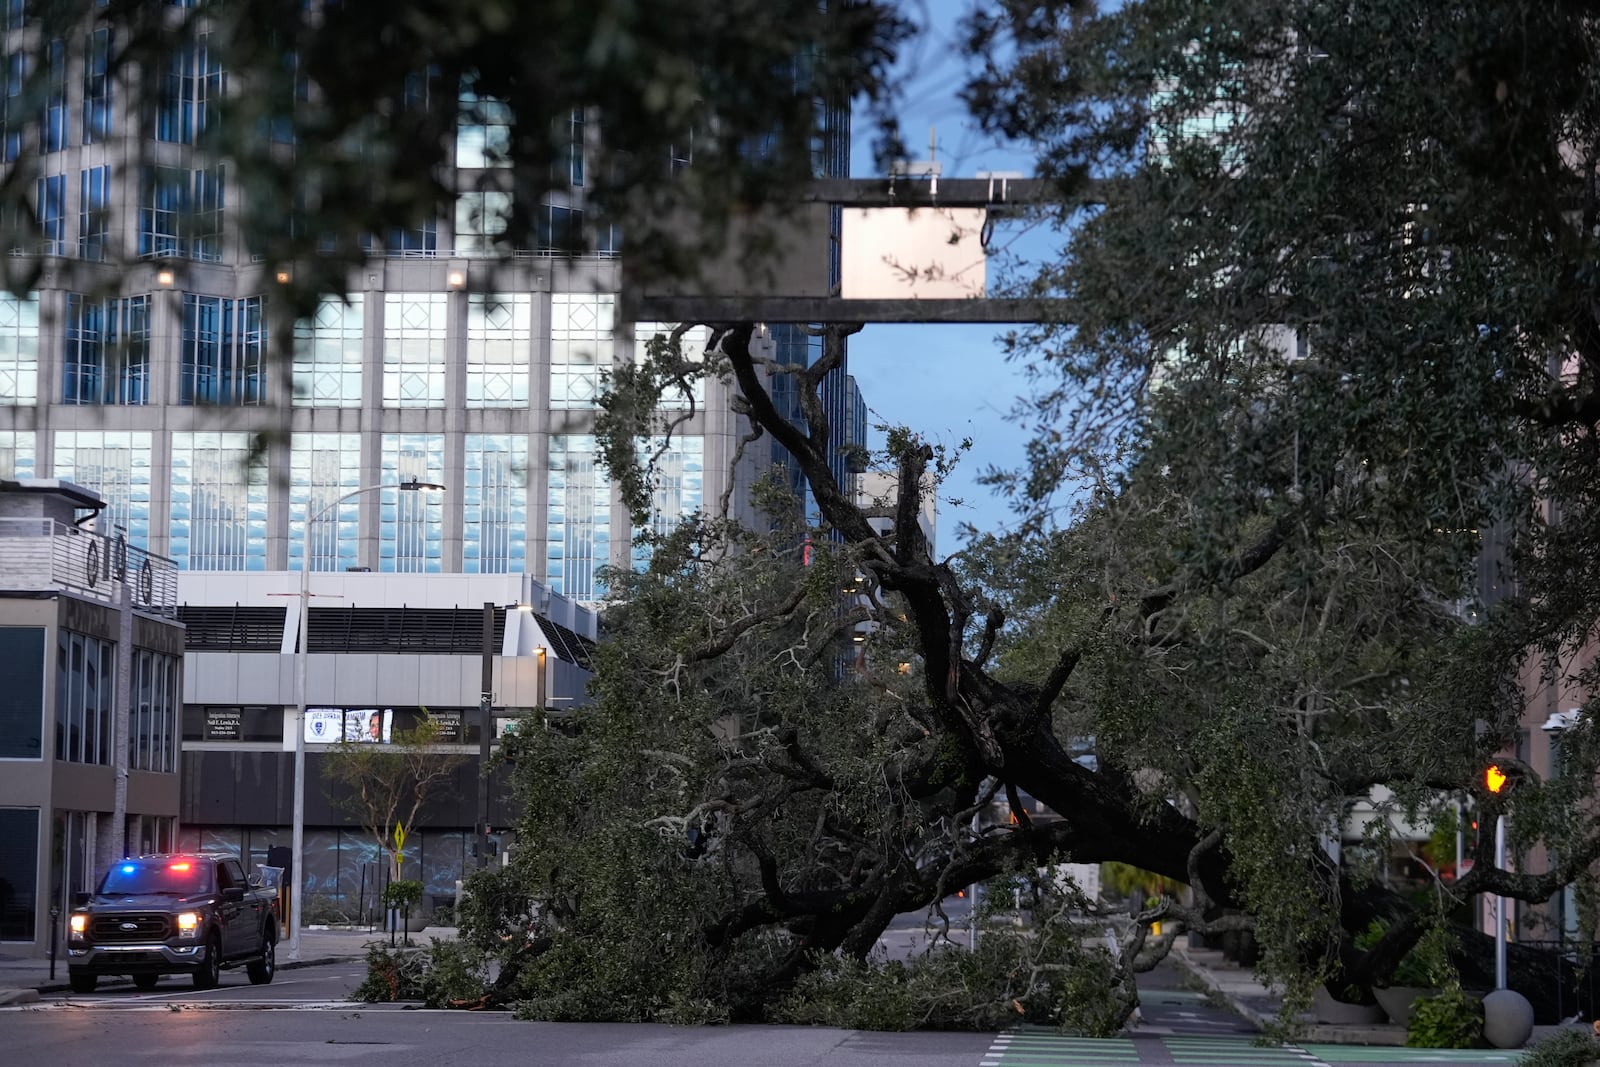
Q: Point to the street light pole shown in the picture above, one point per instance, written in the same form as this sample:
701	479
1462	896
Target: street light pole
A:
302	647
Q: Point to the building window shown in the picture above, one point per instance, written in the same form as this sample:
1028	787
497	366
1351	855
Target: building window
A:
483	130
180	213
411	525
413	350
16	453
22	697
560	229
97	86
495	539
678	486
19	868
322	468
219	503
105	355
693	346
189	89
53	122
578	531
86	693
327	354
581	343
94	213
19	350
499	335
115	464
480	219
153	721
52	208
223	345
415	242
13	121
571	161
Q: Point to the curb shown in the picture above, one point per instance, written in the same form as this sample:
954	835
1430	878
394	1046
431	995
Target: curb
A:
29	994
1319	1033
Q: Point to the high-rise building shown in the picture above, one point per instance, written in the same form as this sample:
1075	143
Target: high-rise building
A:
139	367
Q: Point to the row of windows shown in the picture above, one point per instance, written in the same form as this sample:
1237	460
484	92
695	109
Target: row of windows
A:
86	682
106	351
181	212
218	506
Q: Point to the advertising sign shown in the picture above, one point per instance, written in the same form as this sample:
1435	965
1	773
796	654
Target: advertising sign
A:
327	726
324	726
223	724
450	727
368	725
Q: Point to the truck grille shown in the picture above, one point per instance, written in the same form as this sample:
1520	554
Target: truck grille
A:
109	929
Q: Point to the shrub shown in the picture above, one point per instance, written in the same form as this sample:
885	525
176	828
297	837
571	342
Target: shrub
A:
1569	1048
392	974
1450	1019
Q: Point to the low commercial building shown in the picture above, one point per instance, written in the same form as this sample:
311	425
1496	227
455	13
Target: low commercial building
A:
91	653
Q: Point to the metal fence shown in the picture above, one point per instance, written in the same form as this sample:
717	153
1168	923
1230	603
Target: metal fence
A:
38	554
1573	970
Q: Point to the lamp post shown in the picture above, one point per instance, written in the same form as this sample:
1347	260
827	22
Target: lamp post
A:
302	647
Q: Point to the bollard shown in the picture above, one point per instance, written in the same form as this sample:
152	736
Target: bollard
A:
55	925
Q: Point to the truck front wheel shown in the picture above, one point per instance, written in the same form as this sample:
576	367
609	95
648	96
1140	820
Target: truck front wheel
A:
82	983
261	971
210	972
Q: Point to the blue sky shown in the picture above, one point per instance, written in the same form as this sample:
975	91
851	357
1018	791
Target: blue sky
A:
945	382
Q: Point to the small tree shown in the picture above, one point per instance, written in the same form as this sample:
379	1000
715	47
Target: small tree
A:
386	785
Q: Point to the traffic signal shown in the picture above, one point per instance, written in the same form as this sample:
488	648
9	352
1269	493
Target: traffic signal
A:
1495	779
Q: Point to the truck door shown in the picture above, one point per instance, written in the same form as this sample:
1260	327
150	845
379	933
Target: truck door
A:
237	938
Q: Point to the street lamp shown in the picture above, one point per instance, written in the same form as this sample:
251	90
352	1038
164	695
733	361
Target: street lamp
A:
302	647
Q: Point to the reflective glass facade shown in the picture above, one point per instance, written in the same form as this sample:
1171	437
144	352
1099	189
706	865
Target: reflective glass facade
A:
679	477
693	346
19	349
499	339
223	344
411	524
582	341
327	354
322	468
495	498
17	453
219	504
115	464
414	352
578	531
105	354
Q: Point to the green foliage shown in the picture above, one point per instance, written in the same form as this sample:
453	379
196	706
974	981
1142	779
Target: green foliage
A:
1448	1019
386	785
1568	1048
1426	964
456	975
402	893
392	974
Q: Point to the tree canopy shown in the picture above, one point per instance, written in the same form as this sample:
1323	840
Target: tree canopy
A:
1310	496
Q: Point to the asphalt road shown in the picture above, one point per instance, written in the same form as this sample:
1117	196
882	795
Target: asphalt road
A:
305	1017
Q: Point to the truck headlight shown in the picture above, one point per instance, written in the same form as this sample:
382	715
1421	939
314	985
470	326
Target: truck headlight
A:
76	925
188	923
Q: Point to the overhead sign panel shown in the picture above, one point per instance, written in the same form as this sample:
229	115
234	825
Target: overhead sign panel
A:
930	253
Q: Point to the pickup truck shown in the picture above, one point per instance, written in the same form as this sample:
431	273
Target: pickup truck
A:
188	914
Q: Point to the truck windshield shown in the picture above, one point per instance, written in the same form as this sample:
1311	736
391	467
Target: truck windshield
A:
180	877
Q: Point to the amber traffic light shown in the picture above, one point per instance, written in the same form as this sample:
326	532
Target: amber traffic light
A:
1495	779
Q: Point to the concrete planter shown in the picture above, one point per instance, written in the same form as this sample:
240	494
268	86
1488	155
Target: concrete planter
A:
1324	1009
1397	1000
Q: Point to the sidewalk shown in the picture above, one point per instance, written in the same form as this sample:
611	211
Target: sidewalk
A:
1259	1004
23	979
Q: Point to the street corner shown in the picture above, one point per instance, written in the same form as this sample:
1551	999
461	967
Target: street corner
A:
12	997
